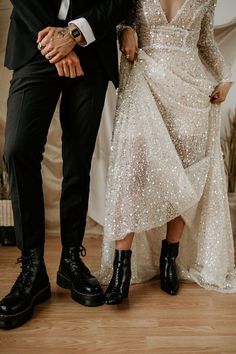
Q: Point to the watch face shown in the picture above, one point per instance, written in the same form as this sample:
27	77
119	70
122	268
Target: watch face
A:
75	32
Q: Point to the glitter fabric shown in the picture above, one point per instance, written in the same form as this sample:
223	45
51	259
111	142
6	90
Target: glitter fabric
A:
165	156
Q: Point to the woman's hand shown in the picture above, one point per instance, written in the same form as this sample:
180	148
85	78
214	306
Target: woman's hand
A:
69	66
220	92
128	44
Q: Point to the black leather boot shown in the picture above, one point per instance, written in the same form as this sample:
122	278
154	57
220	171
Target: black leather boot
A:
31	287
168	273
74	275
118	288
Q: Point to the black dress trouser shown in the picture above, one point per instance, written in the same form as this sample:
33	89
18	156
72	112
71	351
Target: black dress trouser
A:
32	100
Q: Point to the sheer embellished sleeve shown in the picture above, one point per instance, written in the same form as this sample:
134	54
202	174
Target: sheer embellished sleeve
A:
208	48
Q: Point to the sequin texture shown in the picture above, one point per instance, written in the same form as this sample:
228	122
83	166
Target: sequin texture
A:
165	156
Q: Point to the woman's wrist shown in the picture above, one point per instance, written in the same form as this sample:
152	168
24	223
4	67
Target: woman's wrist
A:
121	28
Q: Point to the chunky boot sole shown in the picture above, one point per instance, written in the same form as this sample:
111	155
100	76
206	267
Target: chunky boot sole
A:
18	319
90	300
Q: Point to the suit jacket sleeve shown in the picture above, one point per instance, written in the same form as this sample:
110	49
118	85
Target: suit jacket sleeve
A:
34	13
106	15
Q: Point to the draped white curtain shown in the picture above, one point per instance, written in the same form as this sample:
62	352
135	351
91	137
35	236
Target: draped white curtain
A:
226	37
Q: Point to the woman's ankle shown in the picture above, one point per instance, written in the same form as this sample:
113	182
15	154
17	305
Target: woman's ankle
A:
172	240
126	243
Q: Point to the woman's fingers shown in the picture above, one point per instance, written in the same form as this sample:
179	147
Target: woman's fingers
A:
220	93
217	97
131	54
216	101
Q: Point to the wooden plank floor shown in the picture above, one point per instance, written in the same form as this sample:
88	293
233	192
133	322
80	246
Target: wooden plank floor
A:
195	321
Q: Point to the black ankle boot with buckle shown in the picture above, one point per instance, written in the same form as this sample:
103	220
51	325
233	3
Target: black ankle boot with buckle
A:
74	275
118	288
168	272
31	288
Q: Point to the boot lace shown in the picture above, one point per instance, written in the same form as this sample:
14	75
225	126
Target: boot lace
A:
24	278
76	261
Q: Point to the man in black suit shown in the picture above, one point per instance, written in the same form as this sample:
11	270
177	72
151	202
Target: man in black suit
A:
67	48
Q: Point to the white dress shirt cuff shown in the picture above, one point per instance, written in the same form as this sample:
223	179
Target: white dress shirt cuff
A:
85	29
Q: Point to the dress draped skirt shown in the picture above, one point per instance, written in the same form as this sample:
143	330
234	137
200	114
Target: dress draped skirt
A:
165	162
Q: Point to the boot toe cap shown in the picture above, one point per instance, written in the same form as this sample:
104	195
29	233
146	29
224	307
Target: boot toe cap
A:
113	299
11	306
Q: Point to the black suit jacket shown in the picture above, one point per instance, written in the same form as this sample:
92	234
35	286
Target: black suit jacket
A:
30	16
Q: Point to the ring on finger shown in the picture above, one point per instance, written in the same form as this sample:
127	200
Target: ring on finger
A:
41	47
127	56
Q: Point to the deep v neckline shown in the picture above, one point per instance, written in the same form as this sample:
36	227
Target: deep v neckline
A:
178	12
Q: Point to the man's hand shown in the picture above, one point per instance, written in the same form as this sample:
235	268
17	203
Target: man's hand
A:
55	43
69	66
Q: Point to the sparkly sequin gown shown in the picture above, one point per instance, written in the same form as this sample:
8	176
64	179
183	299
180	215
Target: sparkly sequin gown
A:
165	157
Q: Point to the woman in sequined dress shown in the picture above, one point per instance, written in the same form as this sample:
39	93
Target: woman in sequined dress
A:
166	176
